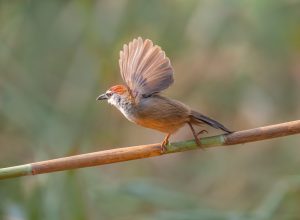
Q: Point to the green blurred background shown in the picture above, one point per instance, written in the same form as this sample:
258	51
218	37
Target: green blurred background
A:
236	61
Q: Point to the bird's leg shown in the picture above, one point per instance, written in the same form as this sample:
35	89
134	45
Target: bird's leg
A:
165	143
201	132
197	140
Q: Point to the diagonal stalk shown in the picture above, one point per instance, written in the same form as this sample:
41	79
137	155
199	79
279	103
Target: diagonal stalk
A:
150	150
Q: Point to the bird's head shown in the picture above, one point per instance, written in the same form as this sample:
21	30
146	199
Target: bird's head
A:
116	95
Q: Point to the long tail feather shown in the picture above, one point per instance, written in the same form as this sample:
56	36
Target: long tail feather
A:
197	117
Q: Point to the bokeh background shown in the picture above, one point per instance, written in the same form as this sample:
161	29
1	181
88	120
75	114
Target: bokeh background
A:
236	61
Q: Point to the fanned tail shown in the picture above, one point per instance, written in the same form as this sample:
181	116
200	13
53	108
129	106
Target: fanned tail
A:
198	118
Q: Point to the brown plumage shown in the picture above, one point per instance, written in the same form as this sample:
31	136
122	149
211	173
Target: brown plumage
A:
145	68
147	71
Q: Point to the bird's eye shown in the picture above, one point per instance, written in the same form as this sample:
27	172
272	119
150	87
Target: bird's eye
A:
109	94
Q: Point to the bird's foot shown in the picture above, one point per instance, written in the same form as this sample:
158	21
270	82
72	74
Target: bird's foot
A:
198	142
163	146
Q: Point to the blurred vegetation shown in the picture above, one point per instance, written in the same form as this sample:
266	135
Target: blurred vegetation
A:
237	61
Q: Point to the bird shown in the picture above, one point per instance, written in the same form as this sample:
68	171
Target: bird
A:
147	71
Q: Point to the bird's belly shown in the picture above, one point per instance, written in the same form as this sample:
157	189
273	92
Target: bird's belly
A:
158	122
163	125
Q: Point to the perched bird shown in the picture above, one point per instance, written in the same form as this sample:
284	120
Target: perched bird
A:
147	71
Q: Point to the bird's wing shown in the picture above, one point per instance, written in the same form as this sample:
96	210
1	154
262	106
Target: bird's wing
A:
145	68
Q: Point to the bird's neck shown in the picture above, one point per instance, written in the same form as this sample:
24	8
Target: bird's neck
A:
126	106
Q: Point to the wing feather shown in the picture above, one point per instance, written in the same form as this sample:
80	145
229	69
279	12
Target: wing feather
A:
145	68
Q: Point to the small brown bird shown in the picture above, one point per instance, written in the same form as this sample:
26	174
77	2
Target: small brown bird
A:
147	71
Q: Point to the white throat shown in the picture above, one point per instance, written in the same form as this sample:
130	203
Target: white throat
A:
123	106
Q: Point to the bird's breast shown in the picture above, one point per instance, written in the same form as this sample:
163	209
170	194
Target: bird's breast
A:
128	110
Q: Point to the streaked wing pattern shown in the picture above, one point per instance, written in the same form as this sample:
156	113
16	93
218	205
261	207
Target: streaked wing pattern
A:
145	68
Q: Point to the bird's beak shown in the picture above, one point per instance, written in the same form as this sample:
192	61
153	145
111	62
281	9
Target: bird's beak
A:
102	97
